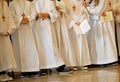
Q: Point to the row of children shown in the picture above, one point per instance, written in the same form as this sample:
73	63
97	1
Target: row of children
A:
59	34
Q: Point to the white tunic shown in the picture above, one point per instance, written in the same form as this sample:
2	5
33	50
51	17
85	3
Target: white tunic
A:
63	38
79	44
7	59
117	27
45	35
101	38
23	39
57	31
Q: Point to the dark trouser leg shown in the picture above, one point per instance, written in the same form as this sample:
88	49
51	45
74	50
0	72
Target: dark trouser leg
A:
3	72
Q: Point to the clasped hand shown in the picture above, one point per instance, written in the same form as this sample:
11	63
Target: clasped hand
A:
43	15
24	20
77	23
84	4
57	8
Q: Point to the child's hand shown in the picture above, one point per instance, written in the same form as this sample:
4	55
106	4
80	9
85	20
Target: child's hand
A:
103	14
24	20
84	4
77	23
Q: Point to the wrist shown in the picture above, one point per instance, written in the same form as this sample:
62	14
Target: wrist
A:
7	33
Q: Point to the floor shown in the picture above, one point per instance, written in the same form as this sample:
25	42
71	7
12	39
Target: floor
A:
93	74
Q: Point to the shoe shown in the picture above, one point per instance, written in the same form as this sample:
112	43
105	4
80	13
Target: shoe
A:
8	77
37	75
66	71
45	72
3	78
102	66
34	74
84	68
75	69
25	75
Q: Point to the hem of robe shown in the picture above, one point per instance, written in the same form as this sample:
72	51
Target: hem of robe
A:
5	68
101	62
74	65
52	66
29	69
70	65
84	64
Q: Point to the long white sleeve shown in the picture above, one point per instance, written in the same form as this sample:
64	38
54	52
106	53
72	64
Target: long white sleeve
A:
53	12
17	18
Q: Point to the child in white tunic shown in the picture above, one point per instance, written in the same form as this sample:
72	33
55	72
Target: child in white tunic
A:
101	38
117	21
44	34
62	33
46	37
24	14
7	26
76	13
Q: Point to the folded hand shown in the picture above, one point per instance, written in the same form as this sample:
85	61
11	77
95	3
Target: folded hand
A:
77	23
24	20
43	15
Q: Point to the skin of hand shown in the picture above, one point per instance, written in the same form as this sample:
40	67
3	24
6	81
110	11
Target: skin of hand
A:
8	34
77	23
110	9
24	20
116	12
43	15
84	4
103	14
57	8
118	22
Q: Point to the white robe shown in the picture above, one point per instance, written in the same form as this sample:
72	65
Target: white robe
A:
57	31
7	59
63	38
23	40
117	28
45	35
101	38
79	44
